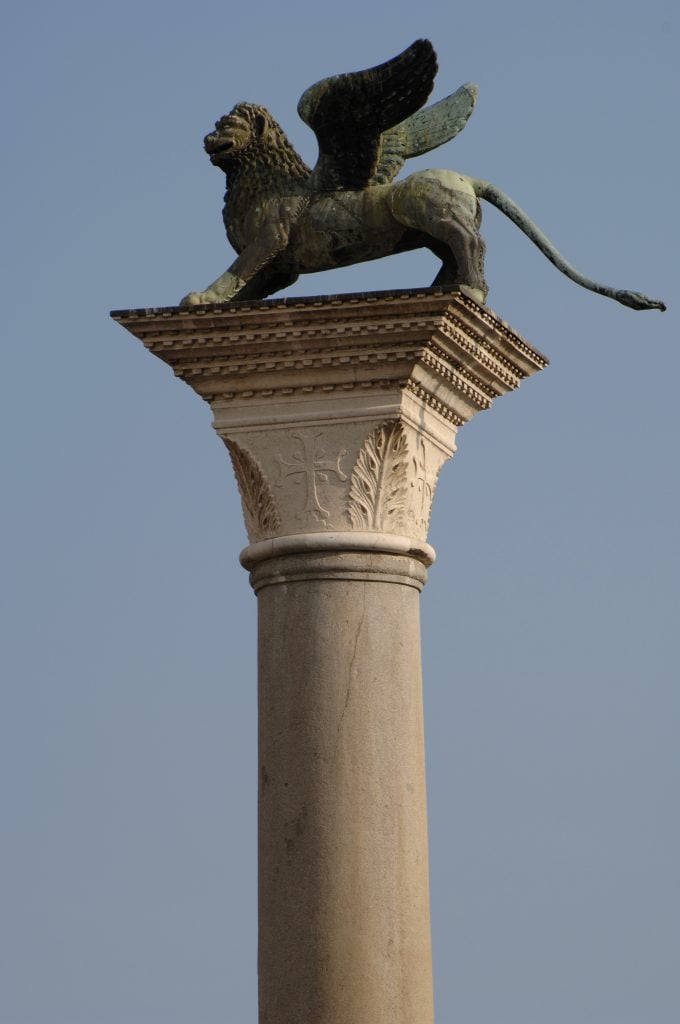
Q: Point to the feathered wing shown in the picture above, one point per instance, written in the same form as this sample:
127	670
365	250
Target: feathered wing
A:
349	114
423	131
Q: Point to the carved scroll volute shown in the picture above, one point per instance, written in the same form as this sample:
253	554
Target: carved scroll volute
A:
262	517
425	468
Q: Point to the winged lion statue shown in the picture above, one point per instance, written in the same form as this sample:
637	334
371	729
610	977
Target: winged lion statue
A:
285	219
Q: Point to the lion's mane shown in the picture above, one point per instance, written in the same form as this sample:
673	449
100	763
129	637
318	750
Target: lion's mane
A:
269	163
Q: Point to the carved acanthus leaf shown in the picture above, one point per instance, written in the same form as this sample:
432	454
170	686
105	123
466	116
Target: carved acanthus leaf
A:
379	483
260	513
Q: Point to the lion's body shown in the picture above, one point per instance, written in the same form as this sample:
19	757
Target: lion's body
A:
351	227
341	228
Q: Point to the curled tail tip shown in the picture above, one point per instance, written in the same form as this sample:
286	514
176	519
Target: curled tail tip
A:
636	300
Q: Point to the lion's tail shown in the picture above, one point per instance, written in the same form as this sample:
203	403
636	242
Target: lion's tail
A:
503	202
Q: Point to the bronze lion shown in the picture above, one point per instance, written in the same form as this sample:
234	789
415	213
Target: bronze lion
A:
284	219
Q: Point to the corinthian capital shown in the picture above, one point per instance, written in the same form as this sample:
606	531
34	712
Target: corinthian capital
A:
339	412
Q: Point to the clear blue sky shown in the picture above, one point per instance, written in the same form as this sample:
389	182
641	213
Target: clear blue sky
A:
550	622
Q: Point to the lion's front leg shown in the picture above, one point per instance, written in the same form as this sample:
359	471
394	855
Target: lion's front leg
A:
271	240
223	289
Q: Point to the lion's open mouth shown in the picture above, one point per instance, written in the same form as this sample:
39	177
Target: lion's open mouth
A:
218	149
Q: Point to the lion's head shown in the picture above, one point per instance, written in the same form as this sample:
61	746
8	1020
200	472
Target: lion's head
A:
249	134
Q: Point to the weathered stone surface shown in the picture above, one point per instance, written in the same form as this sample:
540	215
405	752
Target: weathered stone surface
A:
344	929
338	413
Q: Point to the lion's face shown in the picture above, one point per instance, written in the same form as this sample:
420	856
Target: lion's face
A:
234	133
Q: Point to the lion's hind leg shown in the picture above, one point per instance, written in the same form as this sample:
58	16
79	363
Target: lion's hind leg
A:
450	218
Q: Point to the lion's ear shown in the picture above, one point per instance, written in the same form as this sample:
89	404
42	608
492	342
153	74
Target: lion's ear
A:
260	125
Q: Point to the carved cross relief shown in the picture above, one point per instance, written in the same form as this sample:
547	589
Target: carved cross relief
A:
311	466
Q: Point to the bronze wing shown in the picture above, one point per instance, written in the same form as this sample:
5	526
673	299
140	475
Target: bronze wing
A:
423	131
349	114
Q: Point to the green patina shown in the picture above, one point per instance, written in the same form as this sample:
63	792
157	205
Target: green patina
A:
285	219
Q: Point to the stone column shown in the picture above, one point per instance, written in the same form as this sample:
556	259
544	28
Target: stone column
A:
338	414
343	885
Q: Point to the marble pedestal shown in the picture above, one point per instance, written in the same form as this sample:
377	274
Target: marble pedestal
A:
338	413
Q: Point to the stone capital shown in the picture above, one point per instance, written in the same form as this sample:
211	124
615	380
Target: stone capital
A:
339	411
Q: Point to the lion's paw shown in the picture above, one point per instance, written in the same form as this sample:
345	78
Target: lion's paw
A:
200	298
476	294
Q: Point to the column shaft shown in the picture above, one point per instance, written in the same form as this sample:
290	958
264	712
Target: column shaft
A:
343	869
